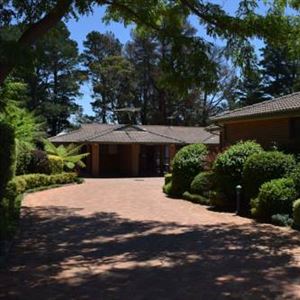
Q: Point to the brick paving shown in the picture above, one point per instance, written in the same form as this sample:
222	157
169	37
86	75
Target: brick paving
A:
123	239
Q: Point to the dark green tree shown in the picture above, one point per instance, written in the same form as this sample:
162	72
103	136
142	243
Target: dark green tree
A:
53	78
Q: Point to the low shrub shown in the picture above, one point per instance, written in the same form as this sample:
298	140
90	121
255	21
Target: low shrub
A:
265	166
228	169
282	220
56	164
274	197
296	214
39	163
21	184
187	163
23	159
202	183
295	175
168	178
195	198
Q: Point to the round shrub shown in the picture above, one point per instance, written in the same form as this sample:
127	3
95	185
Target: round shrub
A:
23	159
187	163
168	178
56	164
202	183
296	213
39	163
275	197
295	175
265	166
228	168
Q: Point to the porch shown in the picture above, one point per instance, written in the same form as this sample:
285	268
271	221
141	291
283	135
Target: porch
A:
128	160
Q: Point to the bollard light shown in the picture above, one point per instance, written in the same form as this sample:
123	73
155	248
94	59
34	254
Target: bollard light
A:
238	190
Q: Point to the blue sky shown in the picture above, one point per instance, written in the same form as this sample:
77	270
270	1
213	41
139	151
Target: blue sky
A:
79	29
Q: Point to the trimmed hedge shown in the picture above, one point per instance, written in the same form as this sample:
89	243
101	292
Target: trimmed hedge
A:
23	158
202	183
21	184
168	178
295	175
275	197
56	164
187	163
228	168
265	166
196	198
7	156
296	213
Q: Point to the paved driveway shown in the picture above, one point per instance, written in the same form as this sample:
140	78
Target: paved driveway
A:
123	239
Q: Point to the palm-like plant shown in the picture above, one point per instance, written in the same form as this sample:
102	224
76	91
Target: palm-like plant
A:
70	155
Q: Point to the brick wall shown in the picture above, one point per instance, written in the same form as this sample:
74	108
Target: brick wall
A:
265	132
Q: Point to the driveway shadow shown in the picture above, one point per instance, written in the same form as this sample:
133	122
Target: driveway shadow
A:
64	255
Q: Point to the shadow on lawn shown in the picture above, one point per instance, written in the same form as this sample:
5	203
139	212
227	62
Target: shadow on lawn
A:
63	255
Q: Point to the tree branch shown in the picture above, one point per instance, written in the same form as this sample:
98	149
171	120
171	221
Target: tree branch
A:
36	31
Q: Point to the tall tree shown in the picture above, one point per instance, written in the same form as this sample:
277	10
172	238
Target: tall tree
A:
53	78
38	18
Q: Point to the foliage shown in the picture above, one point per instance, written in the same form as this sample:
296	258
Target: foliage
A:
56	164
187	163
295	175
202	183
195	198
265	166
70	155
39	162
296	213
228	168
13	196
281	220
275	197
168	178
24	157
7	156
53	79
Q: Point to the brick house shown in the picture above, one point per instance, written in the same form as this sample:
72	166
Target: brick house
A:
133	150
272	122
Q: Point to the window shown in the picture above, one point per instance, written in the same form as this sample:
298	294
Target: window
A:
295	128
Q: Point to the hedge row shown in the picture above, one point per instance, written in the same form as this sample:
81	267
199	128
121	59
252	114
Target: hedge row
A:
21	184
270	181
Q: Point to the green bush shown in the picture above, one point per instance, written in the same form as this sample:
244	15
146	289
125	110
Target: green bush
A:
274	197
23	159
187	163
295	175
228	168
196	198
39	163
265	166
202	183
168	178
296	213
7	156
56	164
21	184
281	220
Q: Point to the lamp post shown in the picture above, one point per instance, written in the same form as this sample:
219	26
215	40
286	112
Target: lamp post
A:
238	190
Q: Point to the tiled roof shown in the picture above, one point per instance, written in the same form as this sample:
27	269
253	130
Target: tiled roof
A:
285	104
138	134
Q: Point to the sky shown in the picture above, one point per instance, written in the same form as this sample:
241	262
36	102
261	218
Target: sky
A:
79	29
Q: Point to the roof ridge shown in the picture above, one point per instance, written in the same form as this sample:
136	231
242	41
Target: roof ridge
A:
165	136
103	132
